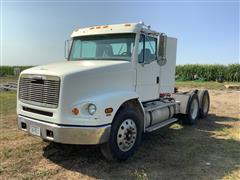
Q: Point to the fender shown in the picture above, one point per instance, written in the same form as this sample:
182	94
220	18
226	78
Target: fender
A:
102	101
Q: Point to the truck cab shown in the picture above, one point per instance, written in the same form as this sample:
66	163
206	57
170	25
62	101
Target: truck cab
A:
117	83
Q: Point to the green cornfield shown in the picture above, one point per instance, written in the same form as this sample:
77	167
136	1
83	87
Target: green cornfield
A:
206	72
188	72
10	70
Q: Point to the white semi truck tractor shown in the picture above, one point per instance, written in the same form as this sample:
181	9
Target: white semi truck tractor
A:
117	83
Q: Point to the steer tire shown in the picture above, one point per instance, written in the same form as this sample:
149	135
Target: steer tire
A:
127	124
192	110
205	104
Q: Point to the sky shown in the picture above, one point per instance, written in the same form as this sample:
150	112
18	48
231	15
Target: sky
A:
34	32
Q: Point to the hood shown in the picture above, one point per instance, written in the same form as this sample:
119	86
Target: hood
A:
71	67
85	81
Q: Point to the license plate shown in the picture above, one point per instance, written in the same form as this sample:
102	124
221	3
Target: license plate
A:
35	130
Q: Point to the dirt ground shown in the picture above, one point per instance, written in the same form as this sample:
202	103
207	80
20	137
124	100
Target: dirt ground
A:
208	150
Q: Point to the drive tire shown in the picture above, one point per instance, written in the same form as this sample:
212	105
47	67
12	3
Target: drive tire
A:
192	110
205	104
112	150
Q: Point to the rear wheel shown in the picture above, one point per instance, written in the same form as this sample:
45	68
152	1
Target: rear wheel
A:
125	135
192	110
205	104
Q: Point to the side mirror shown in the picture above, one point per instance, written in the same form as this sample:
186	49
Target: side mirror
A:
162	48
67	48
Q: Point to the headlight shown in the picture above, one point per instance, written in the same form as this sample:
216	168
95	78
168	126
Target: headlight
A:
92	109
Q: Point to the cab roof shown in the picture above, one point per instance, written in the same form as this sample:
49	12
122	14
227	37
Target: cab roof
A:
112	29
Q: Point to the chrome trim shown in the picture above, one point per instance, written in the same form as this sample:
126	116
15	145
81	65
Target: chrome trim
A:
68	134
37	76
44	93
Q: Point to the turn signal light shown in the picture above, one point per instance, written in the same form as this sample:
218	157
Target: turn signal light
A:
108	110
75	111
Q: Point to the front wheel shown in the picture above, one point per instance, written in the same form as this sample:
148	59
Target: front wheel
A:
125	136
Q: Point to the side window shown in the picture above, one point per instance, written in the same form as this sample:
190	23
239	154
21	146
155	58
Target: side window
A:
150	49
147	49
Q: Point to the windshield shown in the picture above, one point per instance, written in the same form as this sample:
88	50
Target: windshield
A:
103	47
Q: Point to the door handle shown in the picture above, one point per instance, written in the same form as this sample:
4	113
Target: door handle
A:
157	79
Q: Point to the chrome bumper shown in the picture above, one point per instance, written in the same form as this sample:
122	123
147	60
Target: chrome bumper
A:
66	134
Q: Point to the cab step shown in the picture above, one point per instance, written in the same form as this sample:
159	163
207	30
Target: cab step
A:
161	124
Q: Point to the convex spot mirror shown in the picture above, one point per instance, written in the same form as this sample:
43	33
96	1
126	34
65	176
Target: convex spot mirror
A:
162	48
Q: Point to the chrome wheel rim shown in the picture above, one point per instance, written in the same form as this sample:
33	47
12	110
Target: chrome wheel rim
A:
205	104
194	109
127	134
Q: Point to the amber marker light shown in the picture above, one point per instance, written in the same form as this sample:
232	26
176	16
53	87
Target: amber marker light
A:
75	111
108	110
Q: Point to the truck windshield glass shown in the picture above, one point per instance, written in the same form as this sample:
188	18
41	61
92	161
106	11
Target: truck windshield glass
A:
103	47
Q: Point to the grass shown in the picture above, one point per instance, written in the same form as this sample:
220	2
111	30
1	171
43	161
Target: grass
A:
6	79
7	102
203	84
208	150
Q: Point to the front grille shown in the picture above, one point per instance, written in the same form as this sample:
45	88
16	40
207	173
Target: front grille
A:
39	90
